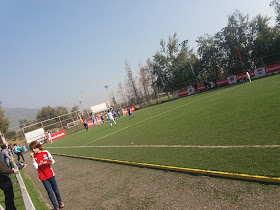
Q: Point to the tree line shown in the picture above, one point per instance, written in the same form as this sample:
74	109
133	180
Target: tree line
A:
242	45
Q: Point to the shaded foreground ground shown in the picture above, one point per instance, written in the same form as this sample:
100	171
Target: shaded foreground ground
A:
87	184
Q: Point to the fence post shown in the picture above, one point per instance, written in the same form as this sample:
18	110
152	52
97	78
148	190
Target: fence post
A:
24	193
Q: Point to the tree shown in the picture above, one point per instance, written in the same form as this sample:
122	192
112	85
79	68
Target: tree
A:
265	42
146	79
121	92
46	113
11	135
238	47
4	122
75	108
23	123
211	55
172	65
61	111
276	5
234	41
131	84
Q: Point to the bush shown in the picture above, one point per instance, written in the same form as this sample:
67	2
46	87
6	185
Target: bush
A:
11	135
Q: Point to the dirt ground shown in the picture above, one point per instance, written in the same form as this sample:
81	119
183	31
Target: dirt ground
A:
88	184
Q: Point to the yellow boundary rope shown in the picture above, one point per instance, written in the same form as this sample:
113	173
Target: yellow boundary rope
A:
186	170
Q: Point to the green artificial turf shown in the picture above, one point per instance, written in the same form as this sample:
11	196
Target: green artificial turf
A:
242	114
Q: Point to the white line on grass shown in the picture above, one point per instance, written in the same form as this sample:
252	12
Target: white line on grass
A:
169	146
162	113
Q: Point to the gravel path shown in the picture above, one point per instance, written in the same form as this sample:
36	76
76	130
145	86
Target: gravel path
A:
87	184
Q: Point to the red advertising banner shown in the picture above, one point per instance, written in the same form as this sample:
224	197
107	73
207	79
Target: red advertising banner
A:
201	88
57	135
241	76
132	109
272	68
182	93
90	124
222	82
252	73
230	80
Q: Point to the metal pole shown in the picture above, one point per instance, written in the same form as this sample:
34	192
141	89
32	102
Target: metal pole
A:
85	102
106	86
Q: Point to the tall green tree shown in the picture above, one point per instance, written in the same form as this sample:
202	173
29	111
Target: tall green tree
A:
4	122
240	46
265	42
75	108
211	56
46	113
172	64
276	5
234	41
131	85
23	122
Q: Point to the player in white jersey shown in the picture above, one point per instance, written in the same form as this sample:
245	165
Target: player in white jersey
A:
111	118
50	137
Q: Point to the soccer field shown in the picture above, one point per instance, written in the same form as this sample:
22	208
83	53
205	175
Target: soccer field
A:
231	129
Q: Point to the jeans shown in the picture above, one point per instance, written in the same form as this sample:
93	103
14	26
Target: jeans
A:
19	155
50	185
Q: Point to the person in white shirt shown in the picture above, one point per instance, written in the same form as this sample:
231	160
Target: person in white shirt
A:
111	118
96	120
50	137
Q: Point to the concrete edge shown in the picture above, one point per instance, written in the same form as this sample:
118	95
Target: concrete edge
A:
186	170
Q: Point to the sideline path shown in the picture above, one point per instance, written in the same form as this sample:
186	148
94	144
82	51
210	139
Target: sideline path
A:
87	184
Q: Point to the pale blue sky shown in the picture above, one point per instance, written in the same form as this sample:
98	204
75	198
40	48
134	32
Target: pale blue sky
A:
51	50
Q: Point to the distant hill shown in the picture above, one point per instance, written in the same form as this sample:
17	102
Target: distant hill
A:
16	114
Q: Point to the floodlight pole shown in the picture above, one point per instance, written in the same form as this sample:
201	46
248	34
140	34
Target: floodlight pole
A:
106	86
85	102
69	111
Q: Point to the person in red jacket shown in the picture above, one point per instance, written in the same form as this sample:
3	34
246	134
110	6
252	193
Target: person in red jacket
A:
42	160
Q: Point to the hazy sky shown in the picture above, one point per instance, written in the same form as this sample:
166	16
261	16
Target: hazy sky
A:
52	50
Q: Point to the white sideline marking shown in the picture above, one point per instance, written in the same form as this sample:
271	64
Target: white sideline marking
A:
158	115
169	146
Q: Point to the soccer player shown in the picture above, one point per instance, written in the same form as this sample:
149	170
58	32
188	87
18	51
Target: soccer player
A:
92	119
85	124
111	118
115	115
118	112
102	118
96	119
129	113
50	137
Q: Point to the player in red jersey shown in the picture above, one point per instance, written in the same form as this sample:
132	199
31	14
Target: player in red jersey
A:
85	124
42	160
